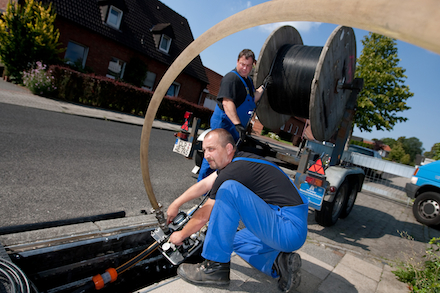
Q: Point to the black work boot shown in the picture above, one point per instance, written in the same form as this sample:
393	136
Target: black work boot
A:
208	272
287	266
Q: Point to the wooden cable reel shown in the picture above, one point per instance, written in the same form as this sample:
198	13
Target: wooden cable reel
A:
306	80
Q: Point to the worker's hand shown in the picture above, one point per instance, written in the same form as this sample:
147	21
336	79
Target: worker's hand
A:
177	238
267	82
172	212
241	131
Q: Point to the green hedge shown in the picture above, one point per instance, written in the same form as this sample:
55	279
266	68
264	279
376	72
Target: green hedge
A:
107	93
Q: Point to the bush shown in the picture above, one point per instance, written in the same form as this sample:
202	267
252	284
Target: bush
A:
362	144
422	277
38	81
265	130
107	93
27	35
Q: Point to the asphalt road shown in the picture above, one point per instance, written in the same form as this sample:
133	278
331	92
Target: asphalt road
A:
55	166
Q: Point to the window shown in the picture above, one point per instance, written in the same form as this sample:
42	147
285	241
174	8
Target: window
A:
114	17
165	43
76	54
149	80
116	68
173	91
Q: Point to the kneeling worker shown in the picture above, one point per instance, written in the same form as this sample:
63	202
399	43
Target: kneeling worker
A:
255	191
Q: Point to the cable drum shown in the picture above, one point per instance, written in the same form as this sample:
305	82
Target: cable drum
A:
307	81
293	71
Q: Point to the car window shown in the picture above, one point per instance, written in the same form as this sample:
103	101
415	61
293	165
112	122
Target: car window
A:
361	151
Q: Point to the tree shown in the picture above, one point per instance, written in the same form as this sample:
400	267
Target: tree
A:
384	94
434	153
135	72
397	153
27	35
412	146
389	141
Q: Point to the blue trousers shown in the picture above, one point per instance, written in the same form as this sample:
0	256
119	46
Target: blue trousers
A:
269	229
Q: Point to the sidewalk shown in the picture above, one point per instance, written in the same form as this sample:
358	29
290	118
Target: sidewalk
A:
324	268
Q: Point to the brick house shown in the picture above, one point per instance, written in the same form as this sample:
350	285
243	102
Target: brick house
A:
209	95
105	35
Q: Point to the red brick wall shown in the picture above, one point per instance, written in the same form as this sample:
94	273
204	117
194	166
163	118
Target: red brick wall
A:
4	4
102	49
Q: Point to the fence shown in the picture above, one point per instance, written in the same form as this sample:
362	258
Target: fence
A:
382	177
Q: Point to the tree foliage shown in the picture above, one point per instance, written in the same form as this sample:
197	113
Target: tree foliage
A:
412	146
384	94
397	153
434	153
135	72
27	35
404	150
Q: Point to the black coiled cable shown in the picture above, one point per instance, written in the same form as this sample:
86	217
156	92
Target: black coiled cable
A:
293	72
13	279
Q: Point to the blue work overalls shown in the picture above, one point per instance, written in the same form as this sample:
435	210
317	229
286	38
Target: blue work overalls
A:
219	119
269	229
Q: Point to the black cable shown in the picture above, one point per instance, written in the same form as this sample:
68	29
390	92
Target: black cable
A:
12	278
292	77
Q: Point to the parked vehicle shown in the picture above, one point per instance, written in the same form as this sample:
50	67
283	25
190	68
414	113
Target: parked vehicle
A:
425	189
367	152
364	151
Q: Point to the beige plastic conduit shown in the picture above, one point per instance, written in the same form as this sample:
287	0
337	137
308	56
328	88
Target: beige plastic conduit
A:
415	22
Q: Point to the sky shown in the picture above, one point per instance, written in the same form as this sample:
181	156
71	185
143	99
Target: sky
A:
422	66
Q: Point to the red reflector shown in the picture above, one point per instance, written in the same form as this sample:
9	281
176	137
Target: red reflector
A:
332	189
318	182
314	181
317	167
415	172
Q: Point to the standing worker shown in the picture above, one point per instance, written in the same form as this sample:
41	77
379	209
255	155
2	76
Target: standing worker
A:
236	102
255	191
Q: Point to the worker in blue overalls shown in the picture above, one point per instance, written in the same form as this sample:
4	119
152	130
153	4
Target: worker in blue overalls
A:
236	102
257	192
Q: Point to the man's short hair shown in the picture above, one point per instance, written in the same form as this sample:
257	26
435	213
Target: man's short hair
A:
224	137
247	53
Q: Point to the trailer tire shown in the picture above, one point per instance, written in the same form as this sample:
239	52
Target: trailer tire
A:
426	208
350	200
331	211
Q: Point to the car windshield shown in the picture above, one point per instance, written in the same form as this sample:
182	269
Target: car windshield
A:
361	151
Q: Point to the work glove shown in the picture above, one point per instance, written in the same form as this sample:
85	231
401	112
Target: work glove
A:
241	131
267	82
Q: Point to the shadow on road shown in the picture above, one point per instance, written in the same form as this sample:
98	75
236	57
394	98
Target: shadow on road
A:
375	230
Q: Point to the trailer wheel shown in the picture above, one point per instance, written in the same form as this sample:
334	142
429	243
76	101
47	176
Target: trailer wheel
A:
349	201
426	208
330	211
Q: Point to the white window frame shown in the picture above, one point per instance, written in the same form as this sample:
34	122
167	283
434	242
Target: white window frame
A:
117	61
162	40
84	55
176	91
119	17
150	78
